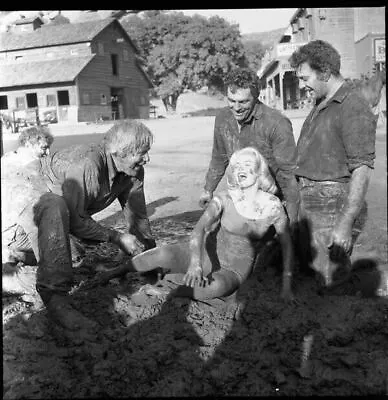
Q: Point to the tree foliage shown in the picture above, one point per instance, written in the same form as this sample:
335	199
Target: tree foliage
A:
254	52
182	52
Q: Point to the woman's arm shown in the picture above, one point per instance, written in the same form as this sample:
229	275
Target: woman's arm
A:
205	224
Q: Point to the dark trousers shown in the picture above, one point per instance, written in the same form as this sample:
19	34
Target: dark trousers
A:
43	230
321	204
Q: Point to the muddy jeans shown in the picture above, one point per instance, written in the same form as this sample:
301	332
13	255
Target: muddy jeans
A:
321	204
44	228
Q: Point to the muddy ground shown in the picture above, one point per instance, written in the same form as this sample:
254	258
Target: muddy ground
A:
152	344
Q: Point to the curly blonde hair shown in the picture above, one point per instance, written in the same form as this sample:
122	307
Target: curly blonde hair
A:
34	135
266	181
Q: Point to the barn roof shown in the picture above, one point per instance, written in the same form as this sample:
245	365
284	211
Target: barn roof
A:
22	21
42	72
52	34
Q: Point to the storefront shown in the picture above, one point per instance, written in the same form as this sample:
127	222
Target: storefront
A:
280	86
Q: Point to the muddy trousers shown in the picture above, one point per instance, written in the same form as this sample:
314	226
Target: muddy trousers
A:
44	229
321	204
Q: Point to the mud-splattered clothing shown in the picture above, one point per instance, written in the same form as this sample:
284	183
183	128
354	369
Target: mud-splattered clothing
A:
239	239
269	132
335	139
52	197
90	183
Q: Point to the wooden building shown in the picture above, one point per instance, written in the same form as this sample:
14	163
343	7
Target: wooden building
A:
355	32
81	72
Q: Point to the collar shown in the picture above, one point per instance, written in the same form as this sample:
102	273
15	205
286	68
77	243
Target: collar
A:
255	113
112	171
341	93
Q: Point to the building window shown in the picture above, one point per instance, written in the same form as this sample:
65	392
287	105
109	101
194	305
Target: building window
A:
125	55
63	98
3	103
50	100
114	64
20	103
100	48
103	99
32	100
85	98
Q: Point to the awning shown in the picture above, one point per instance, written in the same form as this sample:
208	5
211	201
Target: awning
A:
270	65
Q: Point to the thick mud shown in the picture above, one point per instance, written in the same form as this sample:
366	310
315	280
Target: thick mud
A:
152	344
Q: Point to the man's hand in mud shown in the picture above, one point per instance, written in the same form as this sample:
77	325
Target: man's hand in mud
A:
205	198
128	243
194	276
341	239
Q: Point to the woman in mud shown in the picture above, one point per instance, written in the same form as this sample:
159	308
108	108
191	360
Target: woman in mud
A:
227	238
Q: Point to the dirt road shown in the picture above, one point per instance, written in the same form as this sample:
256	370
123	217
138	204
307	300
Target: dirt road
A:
151	344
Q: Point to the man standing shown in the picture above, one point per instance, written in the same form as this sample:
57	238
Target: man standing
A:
56	195
335	156
248	122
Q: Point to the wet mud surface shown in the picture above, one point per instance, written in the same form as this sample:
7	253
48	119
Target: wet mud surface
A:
151	344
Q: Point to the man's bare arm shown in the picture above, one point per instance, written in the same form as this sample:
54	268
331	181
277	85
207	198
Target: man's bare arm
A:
342	233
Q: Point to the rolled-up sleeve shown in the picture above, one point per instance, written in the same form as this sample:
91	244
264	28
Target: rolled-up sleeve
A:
358	133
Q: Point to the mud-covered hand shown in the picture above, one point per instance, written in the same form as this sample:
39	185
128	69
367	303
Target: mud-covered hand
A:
341	238
128	243
205	198
194	276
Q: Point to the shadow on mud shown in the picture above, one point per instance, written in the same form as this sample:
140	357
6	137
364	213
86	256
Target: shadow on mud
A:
159	345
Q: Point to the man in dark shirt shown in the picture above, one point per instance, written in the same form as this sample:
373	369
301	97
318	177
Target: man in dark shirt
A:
336	151
61	194
248	122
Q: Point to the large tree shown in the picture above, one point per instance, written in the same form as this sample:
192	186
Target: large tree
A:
182	52
254	51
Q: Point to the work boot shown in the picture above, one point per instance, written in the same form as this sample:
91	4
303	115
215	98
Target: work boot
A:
61	310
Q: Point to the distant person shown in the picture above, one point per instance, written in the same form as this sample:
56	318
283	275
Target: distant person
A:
33	143
227	238
336	151
57	195
249	122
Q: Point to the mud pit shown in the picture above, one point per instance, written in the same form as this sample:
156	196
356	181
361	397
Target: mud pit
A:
150	344
154	345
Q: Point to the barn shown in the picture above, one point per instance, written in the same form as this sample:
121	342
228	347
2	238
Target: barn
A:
77	72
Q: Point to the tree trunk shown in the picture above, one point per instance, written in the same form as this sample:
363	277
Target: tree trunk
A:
166	102
174	100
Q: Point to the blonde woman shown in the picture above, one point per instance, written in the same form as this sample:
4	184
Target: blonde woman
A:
228	237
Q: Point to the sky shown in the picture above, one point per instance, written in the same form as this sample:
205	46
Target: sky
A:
251	19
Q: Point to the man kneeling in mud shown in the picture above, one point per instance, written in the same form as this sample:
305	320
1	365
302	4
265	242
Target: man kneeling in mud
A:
227	238
53	196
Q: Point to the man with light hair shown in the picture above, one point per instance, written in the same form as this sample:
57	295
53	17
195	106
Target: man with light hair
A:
33	143
60	196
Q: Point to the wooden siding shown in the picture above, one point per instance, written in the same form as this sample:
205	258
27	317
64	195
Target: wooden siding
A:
97	78
79	49
42	93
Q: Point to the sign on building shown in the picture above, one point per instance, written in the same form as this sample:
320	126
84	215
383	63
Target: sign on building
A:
379	50
286	49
